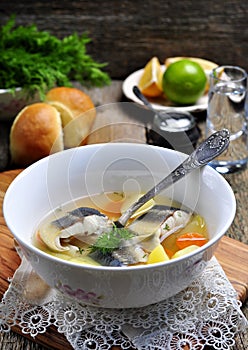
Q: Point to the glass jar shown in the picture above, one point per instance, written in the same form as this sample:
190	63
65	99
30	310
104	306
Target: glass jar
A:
175	130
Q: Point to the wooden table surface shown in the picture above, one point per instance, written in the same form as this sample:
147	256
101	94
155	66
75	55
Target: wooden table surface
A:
117	124
124	34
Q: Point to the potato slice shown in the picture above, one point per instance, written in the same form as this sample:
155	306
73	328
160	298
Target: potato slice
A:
157	255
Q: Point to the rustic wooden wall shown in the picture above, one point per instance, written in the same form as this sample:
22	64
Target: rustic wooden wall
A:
127	33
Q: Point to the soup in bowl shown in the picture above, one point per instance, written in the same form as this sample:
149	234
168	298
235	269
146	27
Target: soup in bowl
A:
62	212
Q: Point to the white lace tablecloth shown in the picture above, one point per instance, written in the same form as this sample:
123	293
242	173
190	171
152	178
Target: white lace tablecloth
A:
206	313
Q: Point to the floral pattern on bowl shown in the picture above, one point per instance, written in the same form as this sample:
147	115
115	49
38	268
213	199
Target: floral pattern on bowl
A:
79	294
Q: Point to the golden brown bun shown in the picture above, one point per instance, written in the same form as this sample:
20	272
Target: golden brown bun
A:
36	132
64	120
77	113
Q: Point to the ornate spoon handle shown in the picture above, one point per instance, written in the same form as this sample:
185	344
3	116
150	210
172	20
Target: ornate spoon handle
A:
209	149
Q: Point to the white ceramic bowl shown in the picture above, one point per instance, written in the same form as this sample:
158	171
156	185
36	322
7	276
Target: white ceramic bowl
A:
11	103
92	169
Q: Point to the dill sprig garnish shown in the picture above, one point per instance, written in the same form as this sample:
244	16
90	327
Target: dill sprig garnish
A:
112	240
81	250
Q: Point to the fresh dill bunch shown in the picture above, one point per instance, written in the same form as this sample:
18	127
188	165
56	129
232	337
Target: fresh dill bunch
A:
37	60
112	240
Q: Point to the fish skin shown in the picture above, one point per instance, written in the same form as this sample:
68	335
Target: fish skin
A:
88	229
74	216
128	255
64	222
106	259
85	211
86	224
149	222
151	227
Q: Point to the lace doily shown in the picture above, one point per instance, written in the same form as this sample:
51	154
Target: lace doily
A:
205	314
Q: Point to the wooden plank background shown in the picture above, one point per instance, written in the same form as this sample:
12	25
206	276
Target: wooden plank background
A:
127	33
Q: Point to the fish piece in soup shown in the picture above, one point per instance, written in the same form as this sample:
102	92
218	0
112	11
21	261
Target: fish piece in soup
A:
117	248
145	234
74	216
81	224
158	223
88	234
125	256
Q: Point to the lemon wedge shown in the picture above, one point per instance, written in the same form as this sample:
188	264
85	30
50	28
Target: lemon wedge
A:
150	83
205	64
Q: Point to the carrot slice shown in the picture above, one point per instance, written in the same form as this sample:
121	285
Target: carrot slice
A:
190	238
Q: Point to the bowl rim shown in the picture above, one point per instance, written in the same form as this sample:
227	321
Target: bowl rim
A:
10	90
52	258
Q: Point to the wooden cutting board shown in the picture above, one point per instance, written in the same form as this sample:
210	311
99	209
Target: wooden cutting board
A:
231	254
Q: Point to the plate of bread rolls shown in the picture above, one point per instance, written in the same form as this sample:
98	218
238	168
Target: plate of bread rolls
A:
64	120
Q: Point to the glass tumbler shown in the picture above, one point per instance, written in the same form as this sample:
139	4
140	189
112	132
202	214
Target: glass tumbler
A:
226	109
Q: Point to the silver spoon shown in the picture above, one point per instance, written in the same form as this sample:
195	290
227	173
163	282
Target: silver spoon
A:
142	98
209	149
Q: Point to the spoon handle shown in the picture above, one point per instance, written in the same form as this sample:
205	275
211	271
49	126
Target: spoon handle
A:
139	94
142	98
209	149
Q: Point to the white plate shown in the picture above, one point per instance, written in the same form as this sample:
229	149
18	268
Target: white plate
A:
160	103
11	105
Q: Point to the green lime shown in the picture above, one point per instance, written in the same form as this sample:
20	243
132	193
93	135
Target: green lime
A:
184	82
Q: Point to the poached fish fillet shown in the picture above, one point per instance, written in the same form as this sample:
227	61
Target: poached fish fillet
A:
83	226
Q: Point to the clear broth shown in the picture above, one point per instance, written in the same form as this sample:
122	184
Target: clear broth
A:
110	204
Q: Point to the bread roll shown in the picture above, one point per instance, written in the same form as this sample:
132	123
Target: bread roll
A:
64	120
77	113
35	133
